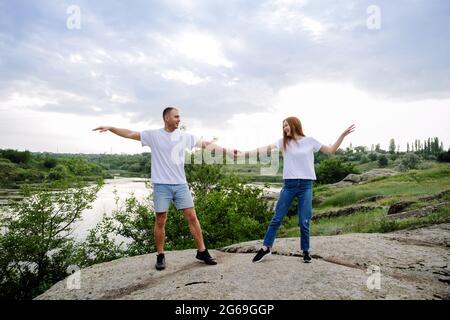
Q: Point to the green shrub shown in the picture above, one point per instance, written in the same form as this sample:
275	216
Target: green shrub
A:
373	156
15	156
60	172
364	159
382	161
408	162
49	162
333	170
444	156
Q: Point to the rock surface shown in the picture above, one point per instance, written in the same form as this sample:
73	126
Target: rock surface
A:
413	264
366	176
421	212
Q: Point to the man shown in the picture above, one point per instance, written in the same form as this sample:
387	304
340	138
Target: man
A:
168	146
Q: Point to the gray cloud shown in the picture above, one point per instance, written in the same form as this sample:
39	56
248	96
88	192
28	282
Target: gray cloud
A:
134	57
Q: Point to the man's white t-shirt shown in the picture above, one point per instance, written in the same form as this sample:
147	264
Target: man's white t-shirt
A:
299	158
168	154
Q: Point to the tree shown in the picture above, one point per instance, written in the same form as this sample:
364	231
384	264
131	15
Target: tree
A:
362	149
392	146
37	247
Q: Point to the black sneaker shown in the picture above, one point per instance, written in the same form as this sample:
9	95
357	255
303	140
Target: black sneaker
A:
160	262
306	257
205	256
261	254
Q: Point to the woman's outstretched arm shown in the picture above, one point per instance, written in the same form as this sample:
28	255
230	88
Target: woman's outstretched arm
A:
332	149
259	150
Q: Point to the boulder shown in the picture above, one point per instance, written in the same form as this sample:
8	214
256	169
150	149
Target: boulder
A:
399	206
366	176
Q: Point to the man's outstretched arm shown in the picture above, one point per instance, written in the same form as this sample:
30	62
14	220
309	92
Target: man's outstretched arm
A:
209	145
125	133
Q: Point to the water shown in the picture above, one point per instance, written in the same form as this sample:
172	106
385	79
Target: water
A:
105	202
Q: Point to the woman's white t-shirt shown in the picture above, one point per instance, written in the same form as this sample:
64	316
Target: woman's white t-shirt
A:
299	158
168	154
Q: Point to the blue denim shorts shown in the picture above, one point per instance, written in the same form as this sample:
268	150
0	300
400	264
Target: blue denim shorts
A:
165	194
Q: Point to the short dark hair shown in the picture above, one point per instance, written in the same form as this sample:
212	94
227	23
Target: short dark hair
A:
167	110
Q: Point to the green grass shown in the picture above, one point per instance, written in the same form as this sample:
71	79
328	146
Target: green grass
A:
407	186
399	187
367	222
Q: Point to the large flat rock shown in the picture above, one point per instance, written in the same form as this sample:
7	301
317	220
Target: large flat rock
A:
413	264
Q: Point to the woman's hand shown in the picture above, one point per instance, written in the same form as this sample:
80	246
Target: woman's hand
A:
348	131
102	128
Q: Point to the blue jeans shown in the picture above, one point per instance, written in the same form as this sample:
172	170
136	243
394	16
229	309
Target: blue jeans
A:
301	188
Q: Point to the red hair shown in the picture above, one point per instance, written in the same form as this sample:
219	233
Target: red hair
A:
296	130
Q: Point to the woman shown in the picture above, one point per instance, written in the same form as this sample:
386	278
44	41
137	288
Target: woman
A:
298	174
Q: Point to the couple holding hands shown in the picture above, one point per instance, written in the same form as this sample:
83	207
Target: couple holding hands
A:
168	177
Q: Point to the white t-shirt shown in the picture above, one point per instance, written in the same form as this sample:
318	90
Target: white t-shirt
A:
299	158
168	154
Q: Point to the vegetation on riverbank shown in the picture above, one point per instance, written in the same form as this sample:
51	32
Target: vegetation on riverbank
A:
36	246
411	186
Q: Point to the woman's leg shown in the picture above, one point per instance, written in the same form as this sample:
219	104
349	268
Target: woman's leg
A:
304	212
287	195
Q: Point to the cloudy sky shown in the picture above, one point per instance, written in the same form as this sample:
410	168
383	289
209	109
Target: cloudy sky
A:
234	68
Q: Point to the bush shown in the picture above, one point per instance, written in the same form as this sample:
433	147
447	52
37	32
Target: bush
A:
393	156
49	162
80	167
22	157
382	161
333	170
59	172
373	156
408	162
8	172
232	213
444	156
364	159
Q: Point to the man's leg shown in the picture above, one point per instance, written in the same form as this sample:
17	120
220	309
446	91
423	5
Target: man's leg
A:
194	227
160	231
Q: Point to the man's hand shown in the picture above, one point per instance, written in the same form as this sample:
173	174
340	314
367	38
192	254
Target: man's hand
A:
102	128
124	133
233	153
